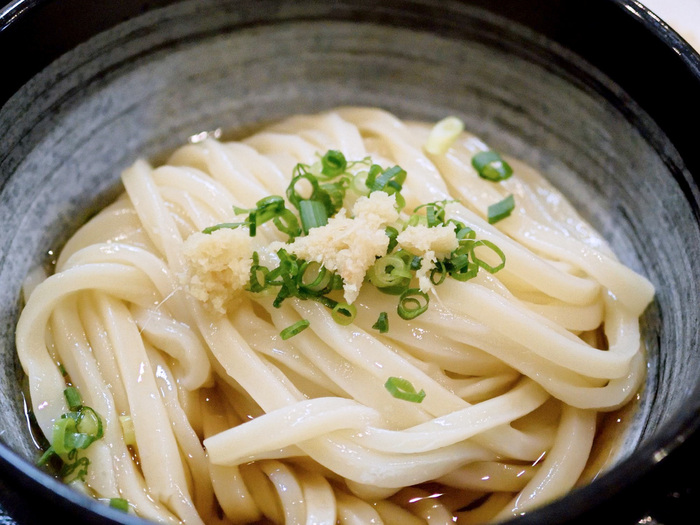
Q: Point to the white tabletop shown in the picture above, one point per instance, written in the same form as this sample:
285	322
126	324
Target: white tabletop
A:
682	15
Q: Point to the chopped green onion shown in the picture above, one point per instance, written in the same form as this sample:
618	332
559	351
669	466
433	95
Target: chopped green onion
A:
431	218
63	370
326	183
391	274
333	163
416	263
313	277
334	194
45	457
501	209
402	388
73	431
61	427
489	165
443	135
330	194
80	464
224	225
359	183
410	305
374	170
440	271
119	504
89	423
258	275
400	201
415	220
293	194
268	208
390	180
392	233
484	264
344	313
287	222
468	271
294	329
75	401
313	214
465	233
382	323
128	431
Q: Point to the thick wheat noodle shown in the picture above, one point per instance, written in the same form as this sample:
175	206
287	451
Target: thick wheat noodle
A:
233	424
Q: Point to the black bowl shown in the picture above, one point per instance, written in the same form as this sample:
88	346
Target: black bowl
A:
600	95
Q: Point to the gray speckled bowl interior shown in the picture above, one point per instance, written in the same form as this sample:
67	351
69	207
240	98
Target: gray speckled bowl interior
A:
144	87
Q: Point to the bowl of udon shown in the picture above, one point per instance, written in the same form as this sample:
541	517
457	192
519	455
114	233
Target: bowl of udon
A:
348	262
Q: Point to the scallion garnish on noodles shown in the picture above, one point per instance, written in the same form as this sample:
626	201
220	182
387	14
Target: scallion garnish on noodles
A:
412	303
402	388
344	313
73	398
333	163
489	165
294	329
313	215
443	135
119	504
494	249
270	208
501	209
75	430
382	323
316	193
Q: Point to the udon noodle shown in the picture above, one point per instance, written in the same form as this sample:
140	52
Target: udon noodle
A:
209	415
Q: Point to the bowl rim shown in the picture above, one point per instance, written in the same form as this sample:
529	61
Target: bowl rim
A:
624	480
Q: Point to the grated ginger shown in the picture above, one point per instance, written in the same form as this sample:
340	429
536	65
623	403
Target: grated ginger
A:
349	246
441	240
219	265
431	244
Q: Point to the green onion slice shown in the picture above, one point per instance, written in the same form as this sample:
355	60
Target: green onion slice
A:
489	165
390	180
438	274
359	183
495	249
392	233
79	466
314	278
128	431
258	275
333	163
224	225
412	303
402	388
313	214
73	398
294	329
287	222
443	135
73	431
391	274
119	504
344	313
501	209
382	323
268	208
372	173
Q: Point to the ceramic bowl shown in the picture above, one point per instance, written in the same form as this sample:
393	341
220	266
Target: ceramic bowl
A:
601	96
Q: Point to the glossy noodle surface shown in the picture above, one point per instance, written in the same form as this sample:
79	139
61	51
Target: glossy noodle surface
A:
209	415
